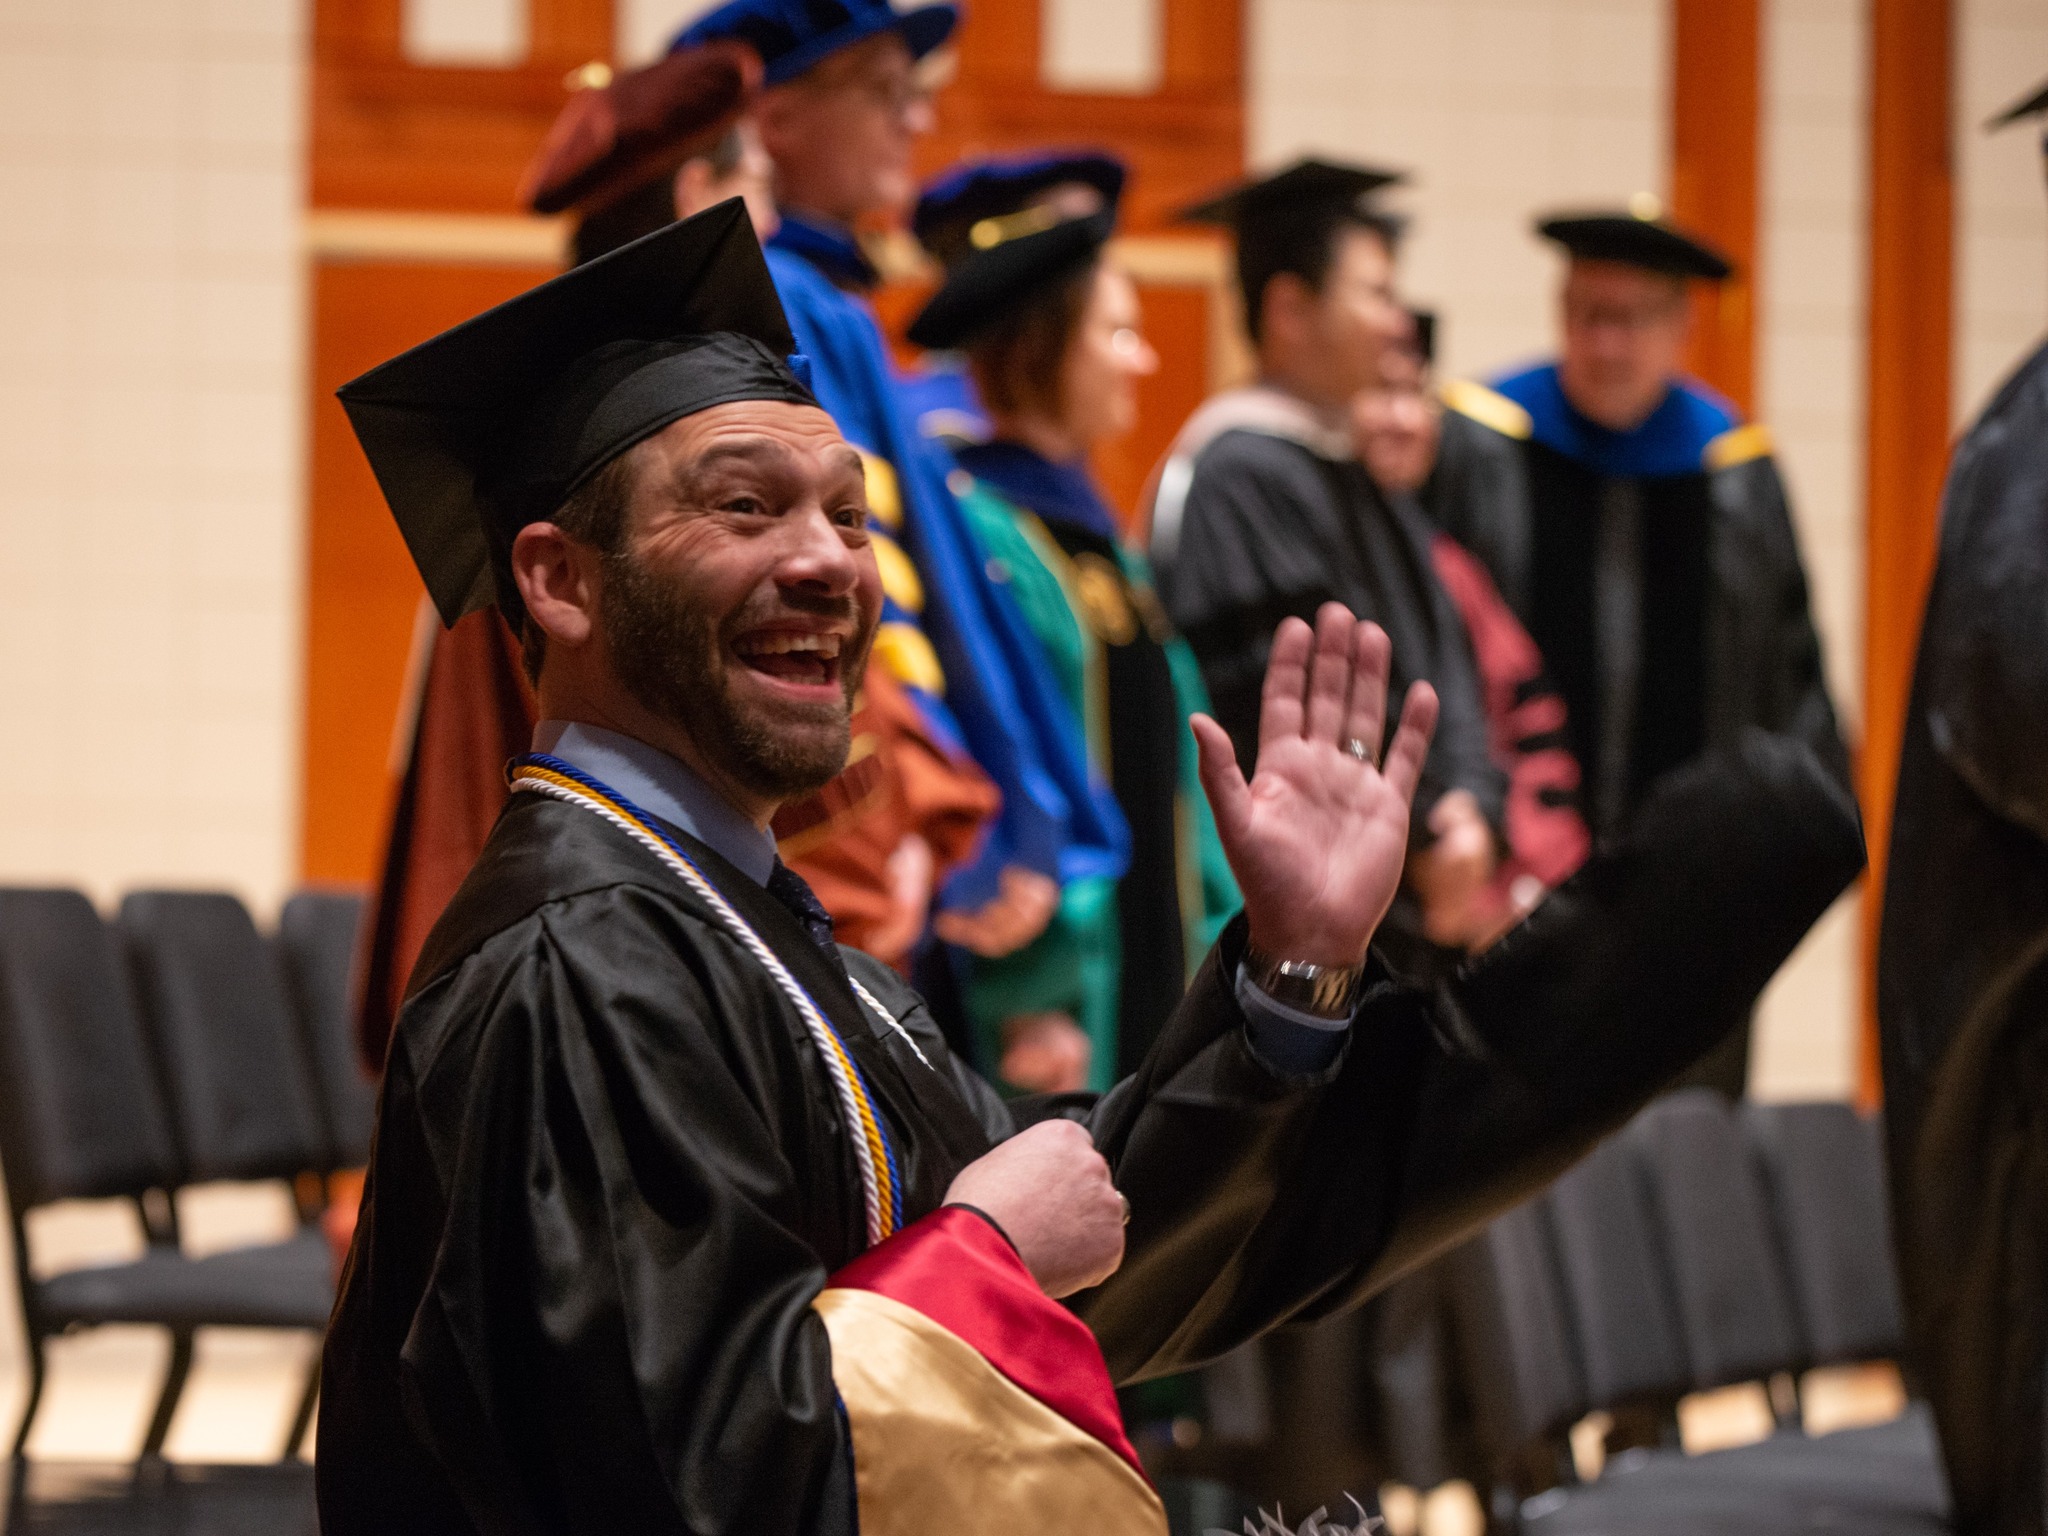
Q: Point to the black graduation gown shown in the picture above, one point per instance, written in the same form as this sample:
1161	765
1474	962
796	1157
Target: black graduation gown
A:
610	1178
1963	971
1727	642
1270	528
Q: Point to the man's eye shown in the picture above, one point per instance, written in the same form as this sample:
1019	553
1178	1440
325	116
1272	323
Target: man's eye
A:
851	517
749	506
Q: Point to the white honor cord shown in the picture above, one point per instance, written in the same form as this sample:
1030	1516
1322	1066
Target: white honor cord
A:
821	1032
889	1019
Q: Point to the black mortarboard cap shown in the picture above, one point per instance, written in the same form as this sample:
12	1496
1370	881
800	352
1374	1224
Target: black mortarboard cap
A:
954	202
1305	182
492	425
2034	104
1008	272
1637	236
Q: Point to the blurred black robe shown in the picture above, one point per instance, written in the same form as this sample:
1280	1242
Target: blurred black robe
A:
610	1176
1263	512
1962	980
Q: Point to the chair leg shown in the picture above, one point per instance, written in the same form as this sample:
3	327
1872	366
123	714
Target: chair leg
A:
174	1387
37	1365
304	1416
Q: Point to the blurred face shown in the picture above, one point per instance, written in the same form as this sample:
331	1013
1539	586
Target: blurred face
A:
699	186
1624	341
840	135
1328	342
1108	355
741	608
1396	422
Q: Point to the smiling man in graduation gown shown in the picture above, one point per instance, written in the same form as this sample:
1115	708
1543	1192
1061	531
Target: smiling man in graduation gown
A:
680	1217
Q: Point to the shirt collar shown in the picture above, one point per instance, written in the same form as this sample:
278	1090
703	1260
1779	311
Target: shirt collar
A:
662	786
828	247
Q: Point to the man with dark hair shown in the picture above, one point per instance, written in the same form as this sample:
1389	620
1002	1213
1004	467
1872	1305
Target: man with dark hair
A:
682	1218
1262	509
1642	534
1962	973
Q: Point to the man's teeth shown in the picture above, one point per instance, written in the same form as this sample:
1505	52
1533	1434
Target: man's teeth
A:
825	646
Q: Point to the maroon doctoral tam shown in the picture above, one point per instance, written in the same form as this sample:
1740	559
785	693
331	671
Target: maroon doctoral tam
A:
640	124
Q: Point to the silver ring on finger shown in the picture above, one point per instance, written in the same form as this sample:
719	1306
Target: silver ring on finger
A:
1356	746
1125	1201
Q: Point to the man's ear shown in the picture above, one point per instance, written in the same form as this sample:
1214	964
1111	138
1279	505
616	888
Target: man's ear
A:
557	580
1283	307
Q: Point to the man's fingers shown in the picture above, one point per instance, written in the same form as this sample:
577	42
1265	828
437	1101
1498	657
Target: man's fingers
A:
1229	796
1286	681
1403	767
1329	679
1371	659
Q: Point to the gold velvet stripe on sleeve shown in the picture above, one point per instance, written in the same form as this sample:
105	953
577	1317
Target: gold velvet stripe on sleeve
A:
943	1442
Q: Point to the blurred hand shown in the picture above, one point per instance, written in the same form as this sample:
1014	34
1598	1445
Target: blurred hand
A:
1044	1053
1049	1189
908	875
1023	905
1318	837
1451	875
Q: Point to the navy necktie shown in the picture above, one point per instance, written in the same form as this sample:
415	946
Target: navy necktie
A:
789	888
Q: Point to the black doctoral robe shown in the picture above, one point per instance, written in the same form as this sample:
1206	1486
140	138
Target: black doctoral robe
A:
610	1175
1962	979
1261	512
1658	573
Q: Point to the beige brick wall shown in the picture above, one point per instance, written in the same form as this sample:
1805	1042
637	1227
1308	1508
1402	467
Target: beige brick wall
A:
150	440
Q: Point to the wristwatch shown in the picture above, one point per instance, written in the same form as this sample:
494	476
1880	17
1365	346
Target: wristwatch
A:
1327	991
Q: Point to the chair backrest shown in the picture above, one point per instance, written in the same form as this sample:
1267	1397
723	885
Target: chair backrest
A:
241	1097
1824	1171
1630	1350
1513	1342
316	941
1721	1265
81	1116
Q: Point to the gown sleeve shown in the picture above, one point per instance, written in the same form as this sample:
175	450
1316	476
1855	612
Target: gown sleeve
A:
1258	1199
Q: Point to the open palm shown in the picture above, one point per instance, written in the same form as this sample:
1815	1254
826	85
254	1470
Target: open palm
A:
1317	838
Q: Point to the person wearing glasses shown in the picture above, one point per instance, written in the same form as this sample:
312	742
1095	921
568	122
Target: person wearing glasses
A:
846	92
1047	326
1652	557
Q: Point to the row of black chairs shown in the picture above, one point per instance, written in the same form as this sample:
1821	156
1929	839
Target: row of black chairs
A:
175	1046
1703	1247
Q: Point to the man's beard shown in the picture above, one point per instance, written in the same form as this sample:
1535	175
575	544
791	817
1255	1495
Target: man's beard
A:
670	658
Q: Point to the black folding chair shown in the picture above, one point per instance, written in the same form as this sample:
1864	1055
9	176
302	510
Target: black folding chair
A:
240	1092
82	1118
1516	1357
1722	1270
316	941
1824	1171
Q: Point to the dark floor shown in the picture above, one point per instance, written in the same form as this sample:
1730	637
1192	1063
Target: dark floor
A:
158	1499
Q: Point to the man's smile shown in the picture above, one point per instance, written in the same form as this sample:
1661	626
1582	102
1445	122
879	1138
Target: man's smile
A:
804	658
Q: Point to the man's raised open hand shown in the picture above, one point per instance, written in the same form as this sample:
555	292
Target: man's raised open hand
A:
1317	838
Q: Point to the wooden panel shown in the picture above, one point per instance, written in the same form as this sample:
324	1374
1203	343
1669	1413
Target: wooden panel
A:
1714	126
362	594
388	134
1911	235
1180	140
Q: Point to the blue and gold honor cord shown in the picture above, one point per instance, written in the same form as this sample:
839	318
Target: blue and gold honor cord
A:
881	1183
